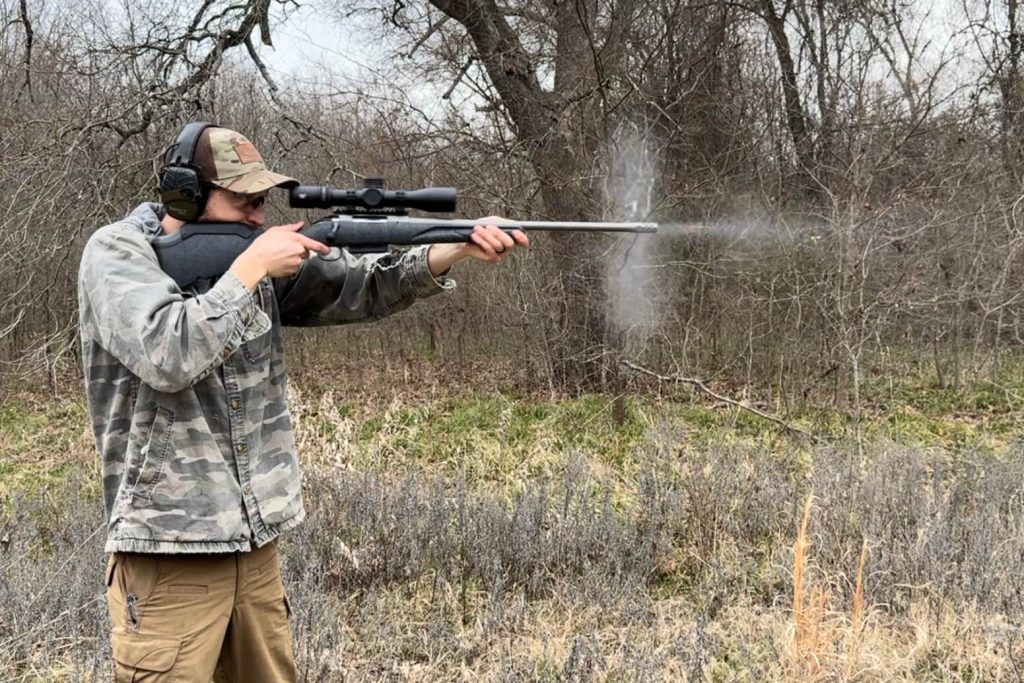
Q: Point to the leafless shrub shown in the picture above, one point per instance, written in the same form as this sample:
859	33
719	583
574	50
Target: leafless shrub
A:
860	206
393	571
53	614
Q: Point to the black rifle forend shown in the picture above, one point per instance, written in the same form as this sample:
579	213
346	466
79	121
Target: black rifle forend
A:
376	222
207	250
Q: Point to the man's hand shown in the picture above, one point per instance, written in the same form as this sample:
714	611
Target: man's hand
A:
278	252
489	244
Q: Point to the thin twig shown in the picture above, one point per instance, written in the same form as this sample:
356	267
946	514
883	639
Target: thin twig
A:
431	30
59	574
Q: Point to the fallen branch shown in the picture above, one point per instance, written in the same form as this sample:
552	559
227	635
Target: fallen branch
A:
703	388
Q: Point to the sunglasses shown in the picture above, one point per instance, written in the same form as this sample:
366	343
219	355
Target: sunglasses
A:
249	201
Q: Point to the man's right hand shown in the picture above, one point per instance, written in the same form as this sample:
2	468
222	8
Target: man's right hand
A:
278	252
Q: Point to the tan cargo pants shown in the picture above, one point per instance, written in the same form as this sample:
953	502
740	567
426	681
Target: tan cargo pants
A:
199	617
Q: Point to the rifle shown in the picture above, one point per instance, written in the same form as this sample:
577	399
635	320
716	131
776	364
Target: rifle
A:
380	219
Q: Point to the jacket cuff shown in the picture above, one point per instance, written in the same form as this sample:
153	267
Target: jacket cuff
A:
418	274
235	297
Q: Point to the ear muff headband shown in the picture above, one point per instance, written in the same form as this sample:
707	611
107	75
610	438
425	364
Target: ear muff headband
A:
181	181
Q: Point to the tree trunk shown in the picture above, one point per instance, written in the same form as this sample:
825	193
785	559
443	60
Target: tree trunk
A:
1012	93
796	117
558	128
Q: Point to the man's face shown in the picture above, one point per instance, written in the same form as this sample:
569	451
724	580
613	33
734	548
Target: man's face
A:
233	207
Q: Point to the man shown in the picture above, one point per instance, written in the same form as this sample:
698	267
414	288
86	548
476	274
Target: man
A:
186	391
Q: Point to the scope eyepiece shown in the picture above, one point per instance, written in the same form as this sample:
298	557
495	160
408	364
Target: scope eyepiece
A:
436	199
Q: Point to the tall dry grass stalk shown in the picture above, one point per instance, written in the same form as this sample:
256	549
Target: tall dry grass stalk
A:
814	654
857	612
806	619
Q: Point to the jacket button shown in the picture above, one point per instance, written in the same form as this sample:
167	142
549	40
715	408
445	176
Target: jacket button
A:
235	404
247	490
240	447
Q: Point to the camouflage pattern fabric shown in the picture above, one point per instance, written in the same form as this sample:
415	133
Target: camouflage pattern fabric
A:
227	159
186	390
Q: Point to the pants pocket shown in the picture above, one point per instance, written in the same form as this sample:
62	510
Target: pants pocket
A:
111	567
132	579
136	656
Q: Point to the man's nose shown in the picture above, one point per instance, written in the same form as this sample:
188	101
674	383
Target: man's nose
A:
256	217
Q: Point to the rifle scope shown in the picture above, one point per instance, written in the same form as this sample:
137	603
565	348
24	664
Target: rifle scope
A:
373	197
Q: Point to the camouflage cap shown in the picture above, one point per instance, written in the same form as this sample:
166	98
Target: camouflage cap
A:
227	159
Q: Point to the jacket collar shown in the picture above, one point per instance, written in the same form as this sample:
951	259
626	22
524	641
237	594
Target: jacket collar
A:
146	217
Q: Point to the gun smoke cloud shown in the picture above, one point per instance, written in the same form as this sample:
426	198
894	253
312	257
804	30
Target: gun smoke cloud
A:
634	167
634	170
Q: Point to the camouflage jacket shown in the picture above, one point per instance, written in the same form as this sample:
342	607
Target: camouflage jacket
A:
186	391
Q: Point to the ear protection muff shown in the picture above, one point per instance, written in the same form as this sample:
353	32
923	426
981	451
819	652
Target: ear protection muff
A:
181	182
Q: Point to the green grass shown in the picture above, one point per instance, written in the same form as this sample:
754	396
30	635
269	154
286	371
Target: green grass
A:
37	479
495	435
919	390
43	443
498	439
35	428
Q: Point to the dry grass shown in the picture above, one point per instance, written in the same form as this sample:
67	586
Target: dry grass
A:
825	644
857	615
676	562
808	611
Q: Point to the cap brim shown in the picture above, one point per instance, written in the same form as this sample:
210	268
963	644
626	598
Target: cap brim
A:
255	182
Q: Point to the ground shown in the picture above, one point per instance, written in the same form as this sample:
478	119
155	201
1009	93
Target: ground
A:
472	534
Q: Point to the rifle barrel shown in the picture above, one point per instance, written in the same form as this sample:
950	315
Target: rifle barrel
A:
542	226
557	226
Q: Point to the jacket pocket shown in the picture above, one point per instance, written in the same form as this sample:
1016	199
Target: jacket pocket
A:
257	349
154	453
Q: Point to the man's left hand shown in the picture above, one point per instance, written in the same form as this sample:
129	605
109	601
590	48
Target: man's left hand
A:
489	243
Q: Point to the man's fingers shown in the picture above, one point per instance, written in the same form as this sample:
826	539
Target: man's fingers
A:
504	241
477	252
521	238
493	237
480	239
313	245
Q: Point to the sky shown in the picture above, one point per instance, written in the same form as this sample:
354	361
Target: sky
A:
314	41
310	45
308	39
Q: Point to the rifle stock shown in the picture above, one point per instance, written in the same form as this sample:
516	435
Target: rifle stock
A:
207	250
